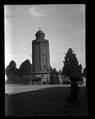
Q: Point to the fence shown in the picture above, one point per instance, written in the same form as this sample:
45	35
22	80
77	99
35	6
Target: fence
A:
45	78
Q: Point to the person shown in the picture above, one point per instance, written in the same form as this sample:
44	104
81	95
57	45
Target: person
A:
73	97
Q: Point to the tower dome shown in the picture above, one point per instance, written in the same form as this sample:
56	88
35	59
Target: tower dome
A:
40	34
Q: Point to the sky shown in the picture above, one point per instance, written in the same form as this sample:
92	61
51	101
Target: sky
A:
63	25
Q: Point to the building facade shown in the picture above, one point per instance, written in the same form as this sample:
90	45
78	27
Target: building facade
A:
40	53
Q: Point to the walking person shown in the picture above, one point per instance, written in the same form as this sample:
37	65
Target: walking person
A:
73	97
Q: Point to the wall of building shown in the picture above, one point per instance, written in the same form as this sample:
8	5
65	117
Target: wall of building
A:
40	55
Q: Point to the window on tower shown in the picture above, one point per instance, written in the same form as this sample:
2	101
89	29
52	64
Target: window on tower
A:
44	57
44	49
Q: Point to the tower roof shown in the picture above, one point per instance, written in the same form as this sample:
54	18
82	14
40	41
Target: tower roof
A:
40	32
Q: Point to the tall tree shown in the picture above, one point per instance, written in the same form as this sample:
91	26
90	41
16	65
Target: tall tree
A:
71	66
10	70
25	67
17	73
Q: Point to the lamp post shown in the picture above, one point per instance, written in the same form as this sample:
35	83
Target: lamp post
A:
47	71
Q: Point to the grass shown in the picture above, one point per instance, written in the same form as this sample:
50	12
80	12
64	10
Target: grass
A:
49	101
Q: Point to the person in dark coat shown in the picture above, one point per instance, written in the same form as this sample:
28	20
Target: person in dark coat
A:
73	97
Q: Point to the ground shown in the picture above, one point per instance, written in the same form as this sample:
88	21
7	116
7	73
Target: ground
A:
47	101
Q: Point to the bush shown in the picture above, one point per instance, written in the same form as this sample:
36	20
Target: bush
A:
54	77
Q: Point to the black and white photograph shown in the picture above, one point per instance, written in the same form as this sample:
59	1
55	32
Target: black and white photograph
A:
45	60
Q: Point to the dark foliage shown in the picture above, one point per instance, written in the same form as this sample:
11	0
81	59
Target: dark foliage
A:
84	72
10	68
11	71
54	77
71	66
25	67
16	75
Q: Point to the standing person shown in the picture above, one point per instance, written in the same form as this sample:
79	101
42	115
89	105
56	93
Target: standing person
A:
73	97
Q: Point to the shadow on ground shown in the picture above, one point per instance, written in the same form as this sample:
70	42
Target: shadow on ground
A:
50	101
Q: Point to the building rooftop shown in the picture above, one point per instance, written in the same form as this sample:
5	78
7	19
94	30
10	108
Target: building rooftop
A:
40	32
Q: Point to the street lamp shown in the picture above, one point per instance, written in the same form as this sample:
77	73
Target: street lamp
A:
47	71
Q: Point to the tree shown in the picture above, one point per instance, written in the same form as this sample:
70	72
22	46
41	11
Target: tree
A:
11	67
81	73
71	66
17	73
84	72
10	71
50	68
60	72
25	68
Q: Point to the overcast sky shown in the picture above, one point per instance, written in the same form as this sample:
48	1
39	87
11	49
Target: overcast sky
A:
63	25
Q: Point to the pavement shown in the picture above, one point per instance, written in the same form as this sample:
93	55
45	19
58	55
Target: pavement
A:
17	88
